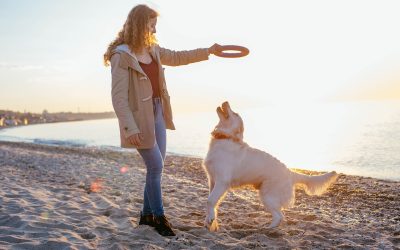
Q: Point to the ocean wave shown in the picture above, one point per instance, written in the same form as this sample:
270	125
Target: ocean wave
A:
71	143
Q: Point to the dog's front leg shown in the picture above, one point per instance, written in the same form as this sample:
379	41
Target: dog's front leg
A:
216	194
211	184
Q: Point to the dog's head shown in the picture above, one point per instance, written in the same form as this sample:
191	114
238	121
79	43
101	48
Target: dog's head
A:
230	125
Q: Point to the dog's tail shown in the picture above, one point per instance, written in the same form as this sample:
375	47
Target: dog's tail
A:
317	184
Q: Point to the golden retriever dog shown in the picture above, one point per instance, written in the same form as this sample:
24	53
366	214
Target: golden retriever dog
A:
231	163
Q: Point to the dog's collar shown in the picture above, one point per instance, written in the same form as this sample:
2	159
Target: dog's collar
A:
221	136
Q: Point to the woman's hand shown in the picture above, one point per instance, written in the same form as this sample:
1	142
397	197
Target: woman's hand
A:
214	49
136	139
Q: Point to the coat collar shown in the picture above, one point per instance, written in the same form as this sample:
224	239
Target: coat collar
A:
134	63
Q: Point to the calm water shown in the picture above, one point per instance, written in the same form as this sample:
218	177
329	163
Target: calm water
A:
361	138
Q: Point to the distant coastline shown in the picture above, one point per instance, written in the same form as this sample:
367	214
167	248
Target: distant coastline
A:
9	119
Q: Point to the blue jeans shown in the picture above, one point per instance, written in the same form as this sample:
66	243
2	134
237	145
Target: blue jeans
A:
154	161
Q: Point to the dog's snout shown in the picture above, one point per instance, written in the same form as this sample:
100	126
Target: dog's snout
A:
225	106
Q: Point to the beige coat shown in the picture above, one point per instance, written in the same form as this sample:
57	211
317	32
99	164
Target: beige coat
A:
132	92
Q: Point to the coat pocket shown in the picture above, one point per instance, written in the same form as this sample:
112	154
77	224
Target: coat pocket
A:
145	88
146	98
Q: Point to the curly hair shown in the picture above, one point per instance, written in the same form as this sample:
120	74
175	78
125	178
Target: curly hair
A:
135	32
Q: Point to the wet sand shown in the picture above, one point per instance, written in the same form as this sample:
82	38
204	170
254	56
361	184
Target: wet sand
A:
55	197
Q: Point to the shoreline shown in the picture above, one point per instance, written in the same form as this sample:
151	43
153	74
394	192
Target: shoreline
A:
90	198
172	154
42	123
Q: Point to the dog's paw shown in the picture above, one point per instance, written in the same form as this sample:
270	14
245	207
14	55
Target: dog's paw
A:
211	225
274	224
214	227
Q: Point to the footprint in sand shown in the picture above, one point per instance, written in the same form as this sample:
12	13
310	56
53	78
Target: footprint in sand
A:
88	236
310	217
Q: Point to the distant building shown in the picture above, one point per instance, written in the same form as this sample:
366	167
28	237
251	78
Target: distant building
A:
45	113
10	122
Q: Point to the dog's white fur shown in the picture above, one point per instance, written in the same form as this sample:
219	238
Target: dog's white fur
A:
231	163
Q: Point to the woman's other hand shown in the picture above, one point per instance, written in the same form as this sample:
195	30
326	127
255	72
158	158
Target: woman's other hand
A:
136	139
214	49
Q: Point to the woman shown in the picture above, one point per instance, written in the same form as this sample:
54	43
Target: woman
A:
141	101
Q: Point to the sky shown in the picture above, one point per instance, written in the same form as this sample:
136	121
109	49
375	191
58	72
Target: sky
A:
300	52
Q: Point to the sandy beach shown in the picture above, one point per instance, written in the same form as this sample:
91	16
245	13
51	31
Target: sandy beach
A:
82	198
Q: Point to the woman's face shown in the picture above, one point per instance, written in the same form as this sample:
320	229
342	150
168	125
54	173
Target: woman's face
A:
152	25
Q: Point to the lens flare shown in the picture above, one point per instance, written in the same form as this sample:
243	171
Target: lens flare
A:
96	186
123	169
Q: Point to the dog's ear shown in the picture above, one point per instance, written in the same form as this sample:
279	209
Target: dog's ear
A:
239	135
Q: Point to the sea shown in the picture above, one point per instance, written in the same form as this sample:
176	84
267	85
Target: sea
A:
357	138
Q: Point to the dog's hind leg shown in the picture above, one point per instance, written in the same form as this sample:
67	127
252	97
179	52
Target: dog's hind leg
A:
215	196
273	206
277	217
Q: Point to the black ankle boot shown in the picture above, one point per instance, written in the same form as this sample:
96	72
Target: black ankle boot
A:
163	226
146	220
